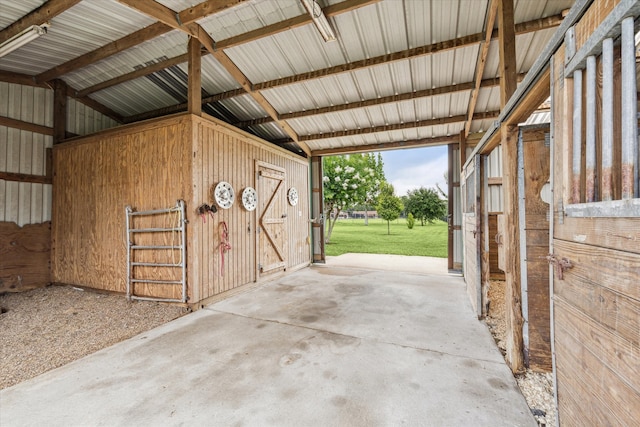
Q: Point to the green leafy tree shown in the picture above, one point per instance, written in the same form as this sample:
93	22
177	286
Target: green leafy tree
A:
410	221
389	205
425	204
349	181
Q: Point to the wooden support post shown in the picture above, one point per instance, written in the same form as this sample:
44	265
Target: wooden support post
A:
513	311
463	150
507	43
194	101
59	110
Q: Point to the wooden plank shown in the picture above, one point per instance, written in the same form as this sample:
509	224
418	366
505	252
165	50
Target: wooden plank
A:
124	43
25	253
291	23
39	16
397	126
59	111
424	142
194	95
460	87
22	125
25	177
607	399
511	243
507	46
482	58
522	28
611	233
621	356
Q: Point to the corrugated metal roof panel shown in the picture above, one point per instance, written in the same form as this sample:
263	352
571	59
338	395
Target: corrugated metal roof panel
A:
12	11
134	97
86	26
165	46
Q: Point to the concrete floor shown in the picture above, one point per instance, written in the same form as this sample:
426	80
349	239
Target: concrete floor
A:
324	346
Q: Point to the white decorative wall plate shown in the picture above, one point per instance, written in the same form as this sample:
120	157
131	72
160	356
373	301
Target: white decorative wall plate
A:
224	195
292	195
249	198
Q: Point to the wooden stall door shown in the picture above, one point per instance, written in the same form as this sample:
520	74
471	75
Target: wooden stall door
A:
272	217
472	234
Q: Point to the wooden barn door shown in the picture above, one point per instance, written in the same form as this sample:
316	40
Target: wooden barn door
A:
596	225
472	266
272	217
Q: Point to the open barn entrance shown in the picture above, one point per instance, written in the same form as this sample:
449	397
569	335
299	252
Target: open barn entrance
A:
393	202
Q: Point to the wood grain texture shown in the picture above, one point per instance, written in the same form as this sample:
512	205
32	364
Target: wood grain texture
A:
25	253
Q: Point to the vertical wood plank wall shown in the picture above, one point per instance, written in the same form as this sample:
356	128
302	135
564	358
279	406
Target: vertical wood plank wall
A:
223	153
597	303
150	166
147	166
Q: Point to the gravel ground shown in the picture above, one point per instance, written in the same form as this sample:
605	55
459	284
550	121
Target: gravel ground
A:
536	387
48	327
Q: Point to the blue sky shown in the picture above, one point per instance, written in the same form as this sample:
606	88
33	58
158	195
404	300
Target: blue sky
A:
414	168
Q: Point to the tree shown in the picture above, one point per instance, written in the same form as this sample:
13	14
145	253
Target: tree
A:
410	221
348	181
389	205
425	204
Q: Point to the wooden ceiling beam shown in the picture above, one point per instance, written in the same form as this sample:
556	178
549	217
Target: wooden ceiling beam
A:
522	28
399	126
291	23
396	145
443	90
186	17
166	15
124	43
269	30
482	59
39	16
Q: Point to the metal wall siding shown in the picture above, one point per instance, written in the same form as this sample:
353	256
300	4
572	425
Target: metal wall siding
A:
25	152
83	120
125	98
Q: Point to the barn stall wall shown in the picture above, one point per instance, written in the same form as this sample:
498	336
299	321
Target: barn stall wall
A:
25	193
150	166
596	297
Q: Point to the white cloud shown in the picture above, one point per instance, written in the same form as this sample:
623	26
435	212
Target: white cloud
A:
426	174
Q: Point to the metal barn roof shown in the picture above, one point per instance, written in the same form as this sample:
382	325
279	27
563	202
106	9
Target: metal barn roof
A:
400	71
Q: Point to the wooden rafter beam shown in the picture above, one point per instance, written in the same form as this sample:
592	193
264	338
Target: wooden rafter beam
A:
126	42
39	16
482	59
522	28
166	15
397	145
269	30
186	17
291	23
399	126
375	101
507	44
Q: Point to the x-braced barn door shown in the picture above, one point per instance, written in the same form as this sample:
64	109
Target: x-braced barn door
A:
272	217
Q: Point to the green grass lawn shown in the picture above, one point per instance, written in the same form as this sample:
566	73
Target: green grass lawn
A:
351	235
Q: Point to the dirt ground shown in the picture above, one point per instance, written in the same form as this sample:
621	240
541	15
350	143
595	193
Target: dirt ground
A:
48	327
536	387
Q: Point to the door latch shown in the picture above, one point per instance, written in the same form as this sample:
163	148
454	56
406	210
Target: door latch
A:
560	264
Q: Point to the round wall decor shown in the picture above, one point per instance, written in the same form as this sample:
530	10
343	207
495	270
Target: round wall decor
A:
224	195
249	198
292	195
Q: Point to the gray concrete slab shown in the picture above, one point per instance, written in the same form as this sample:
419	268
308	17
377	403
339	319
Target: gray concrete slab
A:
324	346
